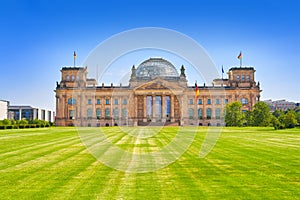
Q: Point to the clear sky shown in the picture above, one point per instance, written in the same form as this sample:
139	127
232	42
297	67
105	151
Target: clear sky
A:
38	37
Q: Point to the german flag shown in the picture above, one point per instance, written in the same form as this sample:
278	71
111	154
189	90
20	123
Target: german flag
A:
240	56
196	91
74	54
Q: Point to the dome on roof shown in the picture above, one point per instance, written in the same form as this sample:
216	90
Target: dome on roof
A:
156	67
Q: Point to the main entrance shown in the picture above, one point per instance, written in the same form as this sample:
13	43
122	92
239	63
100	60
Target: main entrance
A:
157	108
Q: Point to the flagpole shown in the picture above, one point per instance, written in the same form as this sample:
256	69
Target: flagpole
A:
222	73
74	55
241	60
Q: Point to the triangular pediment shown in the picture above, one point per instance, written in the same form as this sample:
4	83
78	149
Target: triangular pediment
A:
159	84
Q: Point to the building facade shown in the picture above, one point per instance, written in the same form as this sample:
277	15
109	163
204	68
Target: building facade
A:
4	109
30	113
156	95
283	105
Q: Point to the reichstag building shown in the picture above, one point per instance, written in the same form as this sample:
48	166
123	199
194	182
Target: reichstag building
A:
157	94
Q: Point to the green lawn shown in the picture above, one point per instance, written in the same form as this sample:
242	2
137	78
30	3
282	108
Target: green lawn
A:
246	163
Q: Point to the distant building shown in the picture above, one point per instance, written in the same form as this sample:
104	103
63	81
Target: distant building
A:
156	94
4	109
280	105
29	113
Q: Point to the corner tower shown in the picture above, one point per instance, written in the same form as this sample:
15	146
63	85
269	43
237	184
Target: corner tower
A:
242	77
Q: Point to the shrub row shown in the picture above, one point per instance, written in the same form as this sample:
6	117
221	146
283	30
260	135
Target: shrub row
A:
21	126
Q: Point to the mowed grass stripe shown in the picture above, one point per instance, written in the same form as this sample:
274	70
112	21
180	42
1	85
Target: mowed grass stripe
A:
240	166
260	163
37	151
34	151
56	169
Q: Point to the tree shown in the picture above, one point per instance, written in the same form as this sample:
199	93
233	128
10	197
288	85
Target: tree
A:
276	123
233	114
280	117
249	118
297	113
261	114
290	119
298	118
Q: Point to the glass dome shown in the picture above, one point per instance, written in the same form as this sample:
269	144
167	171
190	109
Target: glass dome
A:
156	67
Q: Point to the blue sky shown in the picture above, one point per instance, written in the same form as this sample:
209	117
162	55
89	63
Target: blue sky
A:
37	38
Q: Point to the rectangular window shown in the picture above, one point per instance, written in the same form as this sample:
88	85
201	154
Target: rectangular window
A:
125	101
237	77
89	101
98	101
243	77
226	101
107	101
191	102
248	78
217	101
116	101
199	101
208	101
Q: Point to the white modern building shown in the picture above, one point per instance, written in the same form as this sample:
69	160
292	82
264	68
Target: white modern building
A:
4	109
30	113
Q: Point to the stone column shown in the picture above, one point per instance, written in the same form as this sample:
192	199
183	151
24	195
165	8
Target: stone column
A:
184	108
145	109
120	107
172	104
62	107
135	111
57	106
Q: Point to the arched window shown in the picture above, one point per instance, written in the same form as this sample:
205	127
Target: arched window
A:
72	78
124	113
218	113
191	113
200	116
98	113
116	113
72	114
89	113
244	101
71	101
208	113
107	113
67	77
